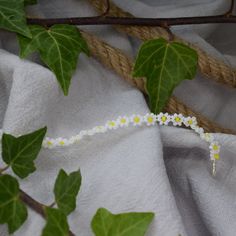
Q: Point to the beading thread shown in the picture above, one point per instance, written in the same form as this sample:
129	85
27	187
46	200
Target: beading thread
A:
136	120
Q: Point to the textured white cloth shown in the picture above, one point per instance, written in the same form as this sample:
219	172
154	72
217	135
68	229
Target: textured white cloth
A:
135	169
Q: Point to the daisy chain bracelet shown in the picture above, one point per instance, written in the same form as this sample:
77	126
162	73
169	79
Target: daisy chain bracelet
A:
139	120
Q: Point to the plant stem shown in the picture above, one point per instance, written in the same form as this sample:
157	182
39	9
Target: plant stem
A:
35	205
108	20
32	203
230	11
3	169
52	204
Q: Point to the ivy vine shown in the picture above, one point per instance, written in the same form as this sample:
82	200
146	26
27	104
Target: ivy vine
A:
19	154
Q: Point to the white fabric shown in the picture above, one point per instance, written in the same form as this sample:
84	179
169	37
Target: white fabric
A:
163	170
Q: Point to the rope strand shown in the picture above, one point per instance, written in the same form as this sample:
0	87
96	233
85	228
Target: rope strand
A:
118	61
209	66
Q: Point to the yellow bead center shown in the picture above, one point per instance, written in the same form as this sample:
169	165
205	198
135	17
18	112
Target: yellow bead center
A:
216	156
112	123
61	142
123	121
150	119
190	122
215	147
136	119
163	118
177	119
49	143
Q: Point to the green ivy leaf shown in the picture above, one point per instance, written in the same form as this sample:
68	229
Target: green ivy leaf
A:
57	224
66	190
12	17
12	211
19	153
165	65
104	223
59	47
30	2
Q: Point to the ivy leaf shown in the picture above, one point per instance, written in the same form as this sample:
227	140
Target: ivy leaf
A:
165	65
104	223
30	2
20	153
12	17
56	223
66	190
12	211
59	47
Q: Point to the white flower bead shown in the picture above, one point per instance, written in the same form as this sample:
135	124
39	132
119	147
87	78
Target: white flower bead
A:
190	121
163	119
207	137
91	132
123	121
72	140
198	130
112	124
100	129
61	142
177	119
214	156
48	143
214	147
78	137
136	120
96	130
83	133
150	119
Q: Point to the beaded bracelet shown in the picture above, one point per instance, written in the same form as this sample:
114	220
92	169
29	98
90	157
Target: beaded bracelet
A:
138	120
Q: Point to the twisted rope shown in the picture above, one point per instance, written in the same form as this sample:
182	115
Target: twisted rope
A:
118	61
209	66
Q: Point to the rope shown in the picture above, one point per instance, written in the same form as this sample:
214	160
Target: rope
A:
209	66
118	61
